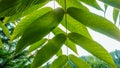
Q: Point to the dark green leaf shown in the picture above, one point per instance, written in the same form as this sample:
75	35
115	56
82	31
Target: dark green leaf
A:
6	4
95	22
68	43
47	51
25	22
79	62
17	7
92	3
115	14
114	3
19	15
59	62
36	45
93	47
40	28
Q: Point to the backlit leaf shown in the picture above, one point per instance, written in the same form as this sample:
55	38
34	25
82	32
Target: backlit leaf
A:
59	53
68	43
95	22
25	22
40	28
93	47
59	62
36	45
79	62
48	50
74	26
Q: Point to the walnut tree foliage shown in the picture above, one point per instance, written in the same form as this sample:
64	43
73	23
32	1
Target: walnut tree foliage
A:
34	21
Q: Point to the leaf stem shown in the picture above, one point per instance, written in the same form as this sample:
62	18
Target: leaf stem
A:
66	24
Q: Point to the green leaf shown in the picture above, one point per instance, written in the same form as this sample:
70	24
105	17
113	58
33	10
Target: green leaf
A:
5	30
114	3
68	43
92	3
19	15
71	45
40	28
6	4
25	22
106	6
47	51
17	7
91	46
115	14
79	62
1	42
95	22
67	65
74	26
59	62
71	3
59	53
36	45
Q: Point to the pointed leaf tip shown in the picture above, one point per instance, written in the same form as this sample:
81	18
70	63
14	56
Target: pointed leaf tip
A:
92	46
95	22
59	62
48	50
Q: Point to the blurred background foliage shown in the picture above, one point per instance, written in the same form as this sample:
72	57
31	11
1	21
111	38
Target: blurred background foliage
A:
7	49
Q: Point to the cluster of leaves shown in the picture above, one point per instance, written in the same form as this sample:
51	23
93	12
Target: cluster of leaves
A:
95	62
35	22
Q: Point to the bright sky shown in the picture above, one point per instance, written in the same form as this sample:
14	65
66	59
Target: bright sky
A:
108	43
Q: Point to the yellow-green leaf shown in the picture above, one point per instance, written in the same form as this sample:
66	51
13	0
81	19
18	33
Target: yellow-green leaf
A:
59	62
25	22
36	45
5	30
48	50
40	28
79	62
74	26
93	47
68	43
0	42
59	53
95	22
